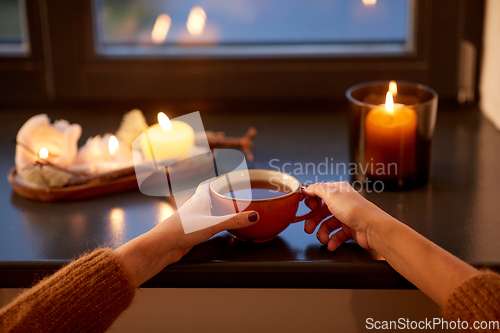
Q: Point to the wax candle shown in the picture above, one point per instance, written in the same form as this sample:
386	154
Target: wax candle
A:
115	158
390	140
167	140
43	153
101	155
59	139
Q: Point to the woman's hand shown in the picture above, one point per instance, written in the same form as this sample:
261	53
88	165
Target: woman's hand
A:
346	209
433	270
145	256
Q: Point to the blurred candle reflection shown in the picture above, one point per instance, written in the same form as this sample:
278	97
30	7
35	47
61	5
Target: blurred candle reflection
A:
117	223
78	223
369	3
165	210
161	28
196	21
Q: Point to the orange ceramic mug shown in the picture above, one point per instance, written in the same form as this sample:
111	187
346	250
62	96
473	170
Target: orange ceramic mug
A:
274	195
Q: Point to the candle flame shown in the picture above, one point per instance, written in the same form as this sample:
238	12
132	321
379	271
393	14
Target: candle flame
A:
389	102
43	153
164	122
117	222
196	21
161	28
113	145
393	88
369	3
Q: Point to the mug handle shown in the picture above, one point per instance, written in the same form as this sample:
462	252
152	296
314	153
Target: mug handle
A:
311	213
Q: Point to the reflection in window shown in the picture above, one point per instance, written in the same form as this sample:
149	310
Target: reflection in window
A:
13	38
252	27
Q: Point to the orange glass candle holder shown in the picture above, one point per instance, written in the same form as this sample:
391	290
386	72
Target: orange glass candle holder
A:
391	127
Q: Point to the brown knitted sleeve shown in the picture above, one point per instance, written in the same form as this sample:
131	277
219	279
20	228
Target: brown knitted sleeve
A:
476	299
85	296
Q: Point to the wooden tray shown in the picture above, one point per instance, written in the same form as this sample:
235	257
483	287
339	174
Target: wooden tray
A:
115	181
125	179
74	192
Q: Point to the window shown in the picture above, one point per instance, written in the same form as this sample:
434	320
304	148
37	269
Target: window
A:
13	39
213	51
252	27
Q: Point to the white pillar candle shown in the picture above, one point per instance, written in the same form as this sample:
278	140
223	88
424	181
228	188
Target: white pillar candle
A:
168	140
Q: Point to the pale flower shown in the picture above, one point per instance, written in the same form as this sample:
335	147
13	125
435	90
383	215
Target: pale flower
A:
60	139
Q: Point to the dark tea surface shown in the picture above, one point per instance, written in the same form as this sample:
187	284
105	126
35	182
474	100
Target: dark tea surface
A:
257	194
259	190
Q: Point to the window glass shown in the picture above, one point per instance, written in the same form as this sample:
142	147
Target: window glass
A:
246	27
13	39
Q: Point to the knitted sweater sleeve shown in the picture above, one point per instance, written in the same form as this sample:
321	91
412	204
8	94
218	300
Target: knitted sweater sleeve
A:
476	299
84	296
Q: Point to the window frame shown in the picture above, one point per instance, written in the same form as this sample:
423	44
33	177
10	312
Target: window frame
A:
67	69
25	78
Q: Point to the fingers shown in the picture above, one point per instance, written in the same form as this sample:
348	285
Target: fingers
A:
311	223
311	202
337	239
326	228
204	187
324	190
318	189
202	197
235	221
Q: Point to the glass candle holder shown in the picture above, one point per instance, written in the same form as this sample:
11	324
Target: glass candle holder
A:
390	143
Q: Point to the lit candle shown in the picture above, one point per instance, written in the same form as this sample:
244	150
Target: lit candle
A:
167	140
38	135
101	155
114	160
113	145
390	140
43	153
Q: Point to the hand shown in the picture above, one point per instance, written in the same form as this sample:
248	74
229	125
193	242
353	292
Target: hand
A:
194	223
146	255
356	217
430	268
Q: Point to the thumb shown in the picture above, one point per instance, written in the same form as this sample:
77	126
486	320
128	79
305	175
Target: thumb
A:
237	221
324	190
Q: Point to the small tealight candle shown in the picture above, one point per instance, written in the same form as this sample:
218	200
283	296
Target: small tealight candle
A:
38	137
113	145
114	160
101	155
167	140
43	153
